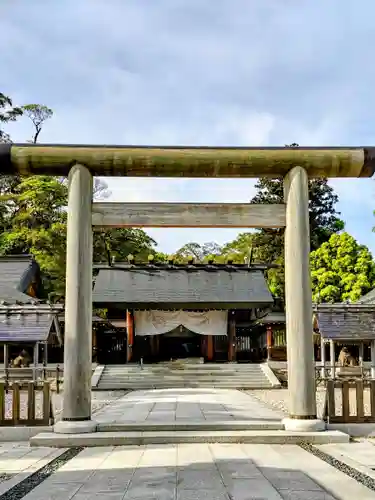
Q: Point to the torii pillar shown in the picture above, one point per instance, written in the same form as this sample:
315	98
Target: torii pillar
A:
298	302
76	416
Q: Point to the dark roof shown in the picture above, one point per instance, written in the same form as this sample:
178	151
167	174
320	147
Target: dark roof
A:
16	274
369	298
272	318
95	319
182	287
25	327
346	321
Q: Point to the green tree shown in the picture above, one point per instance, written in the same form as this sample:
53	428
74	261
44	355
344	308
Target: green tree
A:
38	114
33	214
341	269
117	244
200	253
37	225
324	221
8	113
241	249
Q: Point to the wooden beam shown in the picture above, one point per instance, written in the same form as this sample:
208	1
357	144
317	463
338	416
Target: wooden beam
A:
238	215
165	161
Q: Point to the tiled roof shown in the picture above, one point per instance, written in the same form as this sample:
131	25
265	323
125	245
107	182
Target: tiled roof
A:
177	287
25	327
16	272
273	317
346	321
369	298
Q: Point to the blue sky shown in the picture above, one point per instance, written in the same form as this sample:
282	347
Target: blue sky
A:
197	72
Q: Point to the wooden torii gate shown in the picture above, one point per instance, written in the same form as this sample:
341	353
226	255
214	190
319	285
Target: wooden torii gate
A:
81	163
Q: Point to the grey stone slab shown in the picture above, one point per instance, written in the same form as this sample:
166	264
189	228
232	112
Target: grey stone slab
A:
198	479
46	491
112	484
70	476
290	480
102	495
176	404
147	492
201	495
307	495
250	489
238	471
154	479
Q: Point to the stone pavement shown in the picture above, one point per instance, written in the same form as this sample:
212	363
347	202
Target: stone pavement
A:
197	472
170	405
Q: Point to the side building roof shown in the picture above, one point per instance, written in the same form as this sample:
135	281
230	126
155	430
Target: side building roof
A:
369	298
25	327
16	274
181	287
346	322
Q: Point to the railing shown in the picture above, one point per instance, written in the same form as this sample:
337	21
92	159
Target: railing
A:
350	412
349	373
34	374
25	403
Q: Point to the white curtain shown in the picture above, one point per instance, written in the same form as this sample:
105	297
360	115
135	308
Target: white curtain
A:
159	322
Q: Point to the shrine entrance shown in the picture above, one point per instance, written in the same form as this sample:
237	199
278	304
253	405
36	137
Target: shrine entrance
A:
180	344
111	346
82	163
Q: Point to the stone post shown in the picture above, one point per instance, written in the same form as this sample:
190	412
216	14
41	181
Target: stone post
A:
322	358
332	358
299	314
35	361
76	416
373	359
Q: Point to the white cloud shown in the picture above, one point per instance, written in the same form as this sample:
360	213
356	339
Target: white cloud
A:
191	72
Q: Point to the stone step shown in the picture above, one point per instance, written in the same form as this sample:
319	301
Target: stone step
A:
182	370
50	439
224	375
188	368
200	379
182	383
132	387
192	425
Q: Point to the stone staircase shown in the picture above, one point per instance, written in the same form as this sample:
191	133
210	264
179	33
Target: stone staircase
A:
179	374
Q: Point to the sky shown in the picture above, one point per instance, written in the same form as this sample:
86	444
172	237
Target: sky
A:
197	72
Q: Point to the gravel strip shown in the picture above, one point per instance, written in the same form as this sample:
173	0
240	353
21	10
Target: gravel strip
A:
279	398
21	489
99	401
360	477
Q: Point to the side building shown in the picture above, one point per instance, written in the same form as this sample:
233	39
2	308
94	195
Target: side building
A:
22	327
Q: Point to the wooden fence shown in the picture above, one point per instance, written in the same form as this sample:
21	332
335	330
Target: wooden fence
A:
350	391
25	403
40	374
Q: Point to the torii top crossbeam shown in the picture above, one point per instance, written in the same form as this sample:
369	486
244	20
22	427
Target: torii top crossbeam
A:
160	161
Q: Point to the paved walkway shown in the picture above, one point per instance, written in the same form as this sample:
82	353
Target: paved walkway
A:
169	405
189	472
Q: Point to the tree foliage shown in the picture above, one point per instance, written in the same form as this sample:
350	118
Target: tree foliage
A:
341	270
323	216
8	113
324	220
200	253
33	214
38	114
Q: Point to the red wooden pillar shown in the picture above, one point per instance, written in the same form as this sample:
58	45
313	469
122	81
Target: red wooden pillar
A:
203	346
130	332
269	341
232	339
